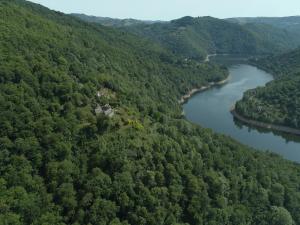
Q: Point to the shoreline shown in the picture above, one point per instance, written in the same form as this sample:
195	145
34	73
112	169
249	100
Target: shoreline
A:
194	91
268	126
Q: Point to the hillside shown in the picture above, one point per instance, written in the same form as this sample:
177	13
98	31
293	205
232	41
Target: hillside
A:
291	23
278	102
62	161
106	21
195	37
286	64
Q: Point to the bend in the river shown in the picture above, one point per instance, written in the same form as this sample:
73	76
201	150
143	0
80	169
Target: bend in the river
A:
211	109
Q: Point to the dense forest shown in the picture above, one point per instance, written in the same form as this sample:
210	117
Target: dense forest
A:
63	161
106	21
290	23
196	37
278	102
280	65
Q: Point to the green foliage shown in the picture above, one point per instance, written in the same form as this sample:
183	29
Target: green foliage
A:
286	64
60	163
106	21
278	102
196	37
280	216
290	24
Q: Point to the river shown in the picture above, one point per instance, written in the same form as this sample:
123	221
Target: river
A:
211	109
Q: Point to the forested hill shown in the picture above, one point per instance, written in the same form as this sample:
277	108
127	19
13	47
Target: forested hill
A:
106	21
290	23
195	37
278	102
286	64
66	159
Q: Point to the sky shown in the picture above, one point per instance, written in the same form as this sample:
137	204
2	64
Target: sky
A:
173	9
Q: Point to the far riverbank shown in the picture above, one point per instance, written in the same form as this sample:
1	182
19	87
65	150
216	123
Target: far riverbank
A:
194	91
268	126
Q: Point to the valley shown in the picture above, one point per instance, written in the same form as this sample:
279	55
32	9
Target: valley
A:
92	132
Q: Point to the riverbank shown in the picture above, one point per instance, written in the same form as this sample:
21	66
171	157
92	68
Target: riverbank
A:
203	88
268	126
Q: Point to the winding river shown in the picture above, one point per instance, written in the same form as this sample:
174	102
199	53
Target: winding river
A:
211	109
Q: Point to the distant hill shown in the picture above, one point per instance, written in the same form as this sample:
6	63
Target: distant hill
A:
291	22
196	37
193	37
106	21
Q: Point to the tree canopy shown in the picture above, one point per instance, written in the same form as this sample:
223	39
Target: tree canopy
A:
63	163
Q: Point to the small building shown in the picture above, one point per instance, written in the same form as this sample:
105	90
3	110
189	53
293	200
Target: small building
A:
106	110
98	110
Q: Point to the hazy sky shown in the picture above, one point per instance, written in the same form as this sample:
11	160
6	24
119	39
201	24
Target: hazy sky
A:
171	9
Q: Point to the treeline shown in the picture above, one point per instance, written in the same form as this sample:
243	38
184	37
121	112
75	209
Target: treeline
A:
61	163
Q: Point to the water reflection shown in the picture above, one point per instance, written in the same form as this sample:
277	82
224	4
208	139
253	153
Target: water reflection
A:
288	137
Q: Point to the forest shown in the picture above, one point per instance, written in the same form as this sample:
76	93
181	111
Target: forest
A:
278	102
64	163
195	37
